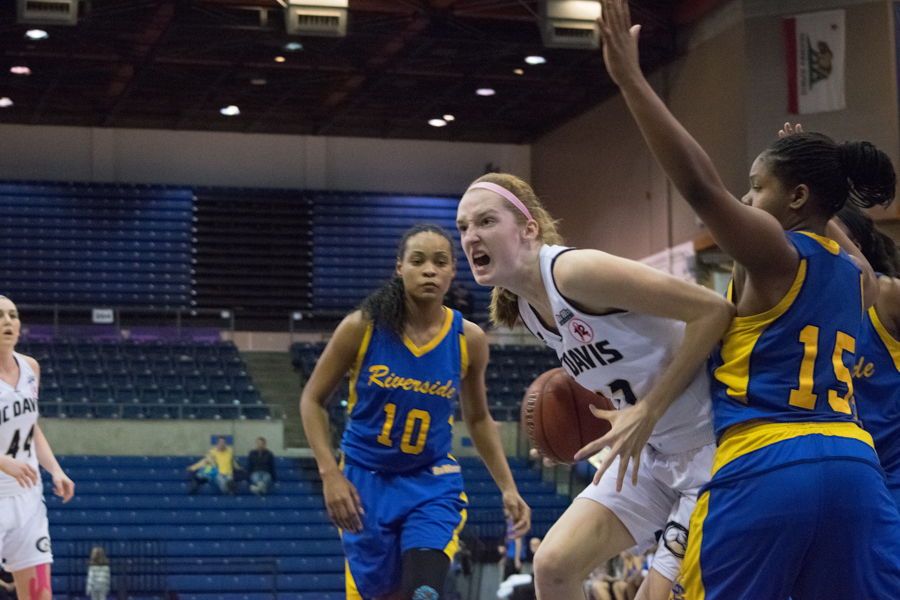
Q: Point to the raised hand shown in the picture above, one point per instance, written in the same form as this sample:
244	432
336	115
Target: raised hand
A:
788	130
620	41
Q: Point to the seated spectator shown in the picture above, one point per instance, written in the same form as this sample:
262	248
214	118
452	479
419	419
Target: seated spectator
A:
218	464
261	465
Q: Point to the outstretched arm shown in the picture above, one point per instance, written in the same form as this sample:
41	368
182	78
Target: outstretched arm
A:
341	498
749	235
483	430
595	282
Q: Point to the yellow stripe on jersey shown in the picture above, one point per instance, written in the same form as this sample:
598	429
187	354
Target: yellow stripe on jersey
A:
452	546
741	337
745	438
689	584
421	350
827	243
463	356
352	592
892	345
354	372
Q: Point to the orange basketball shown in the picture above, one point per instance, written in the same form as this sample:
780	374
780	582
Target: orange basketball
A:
557	417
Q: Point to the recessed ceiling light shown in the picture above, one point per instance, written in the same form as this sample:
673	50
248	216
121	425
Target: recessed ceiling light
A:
518	71
258	81
437	122
20	70
449	118
4	102
279	59
231	110
485	92
535	60
36	34
293	46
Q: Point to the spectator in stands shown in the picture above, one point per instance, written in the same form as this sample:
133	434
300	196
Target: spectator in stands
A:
26	538
98	574
261	465
218	464
7	586
203	470
410	358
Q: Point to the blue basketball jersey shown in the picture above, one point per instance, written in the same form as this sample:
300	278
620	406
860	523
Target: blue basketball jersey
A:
876	380
793	362
402	399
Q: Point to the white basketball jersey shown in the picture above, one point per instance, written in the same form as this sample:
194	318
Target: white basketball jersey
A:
18	417
622	355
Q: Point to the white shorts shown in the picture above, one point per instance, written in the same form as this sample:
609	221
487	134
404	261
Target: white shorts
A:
24	531
661	503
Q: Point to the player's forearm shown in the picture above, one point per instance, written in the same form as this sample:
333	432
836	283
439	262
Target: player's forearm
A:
44	454
701	335
318	433
483	432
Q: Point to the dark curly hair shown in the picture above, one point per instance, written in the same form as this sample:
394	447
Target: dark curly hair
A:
834	173
877	247
387	305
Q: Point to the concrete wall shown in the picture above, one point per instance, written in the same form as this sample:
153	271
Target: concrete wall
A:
156	438
192	438
253	160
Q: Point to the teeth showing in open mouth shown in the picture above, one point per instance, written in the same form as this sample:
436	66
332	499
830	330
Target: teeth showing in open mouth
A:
480	260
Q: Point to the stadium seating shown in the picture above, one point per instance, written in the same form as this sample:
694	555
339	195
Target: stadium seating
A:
278	547
151	380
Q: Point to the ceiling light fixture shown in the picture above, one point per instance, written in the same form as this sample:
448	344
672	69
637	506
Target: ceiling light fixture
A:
230	110
518	71
293	46
437	122
279	59
449	118
20	70
485	92
36	34
258	81
535	60
5	102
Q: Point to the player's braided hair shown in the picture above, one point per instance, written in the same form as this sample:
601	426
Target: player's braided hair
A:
386	306
834	173
878	248
505	304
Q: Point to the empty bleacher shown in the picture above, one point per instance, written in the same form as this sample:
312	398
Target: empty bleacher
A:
152	380
205	546
95	244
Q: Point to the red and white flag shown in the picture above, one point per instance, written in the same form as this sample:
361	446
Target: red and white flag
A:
815	61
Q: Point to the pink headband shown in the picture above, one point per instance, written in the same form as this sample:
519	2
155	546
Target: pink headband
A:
497	189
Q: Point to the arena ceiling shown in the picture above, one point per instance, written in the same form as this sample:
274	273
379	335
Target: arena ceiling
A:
174	64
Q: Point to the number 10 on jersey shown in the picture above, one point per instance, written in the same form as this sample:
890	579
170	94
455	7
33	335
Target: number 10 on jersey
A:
424	420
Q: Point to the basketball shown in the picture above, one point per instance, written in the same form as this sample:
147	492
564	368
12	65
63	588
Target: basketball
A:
557	417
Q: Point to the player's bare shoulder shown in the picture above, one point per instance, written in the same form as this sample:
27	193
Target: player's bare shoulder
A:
33	364
888	304
476	344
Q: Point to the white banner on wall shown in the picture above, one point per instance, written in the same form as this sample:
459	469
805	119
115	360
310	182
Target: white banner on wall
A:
815	45
678	261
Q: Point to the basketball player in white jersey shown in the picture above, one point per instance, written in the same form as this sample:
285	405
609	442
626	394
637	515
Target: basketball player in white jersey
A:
24	535
621	328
